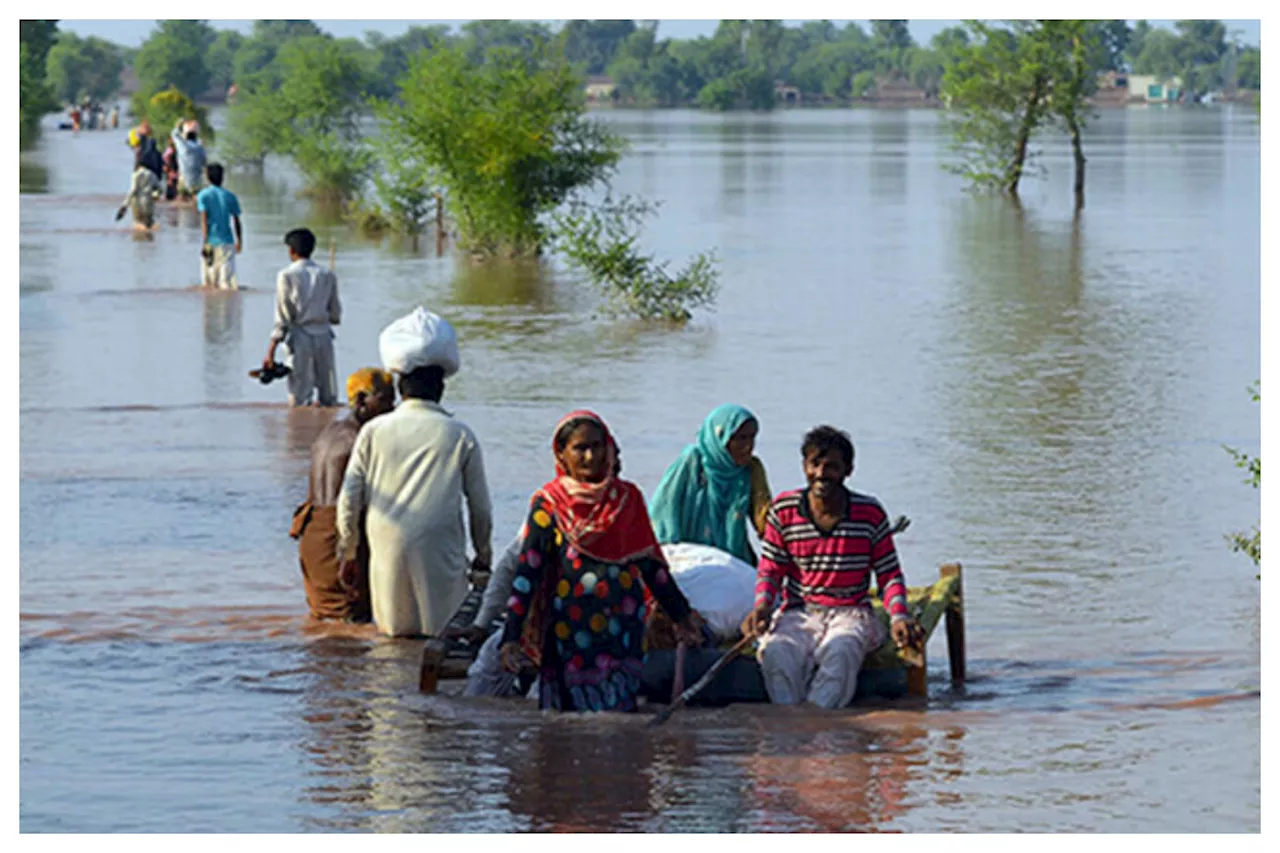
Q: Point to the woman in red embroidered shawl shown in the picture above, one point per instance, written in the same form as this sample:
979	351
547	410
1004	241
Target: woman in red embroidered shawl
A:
588	554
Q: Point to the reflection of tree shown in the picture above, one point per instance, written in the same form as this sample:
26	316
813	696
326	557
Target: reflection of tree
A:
33	177
518	283
890	141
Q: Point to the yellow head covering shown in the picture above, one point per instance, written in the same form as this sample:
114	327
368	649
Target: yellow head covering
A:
367	380
133	138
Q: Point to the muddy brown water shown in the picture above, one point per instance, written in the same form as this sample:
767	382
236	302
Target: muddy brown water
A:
1046	400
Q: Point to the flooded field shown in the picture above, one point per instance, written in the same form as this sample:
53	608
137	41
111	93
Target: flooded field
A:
1046	400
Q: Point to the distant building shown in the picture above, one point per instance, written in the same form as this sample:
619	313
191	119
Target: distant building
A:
1153	89
601	89
896	90
785	94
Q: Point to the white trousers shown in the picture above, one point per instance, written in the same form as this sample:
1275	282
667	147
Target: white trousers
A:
814	654
313	368
220	272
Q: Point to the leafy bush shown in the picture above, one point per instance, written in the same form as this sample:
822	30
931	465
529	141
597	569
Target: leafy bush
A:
601	242
1249	543
163	109
508	141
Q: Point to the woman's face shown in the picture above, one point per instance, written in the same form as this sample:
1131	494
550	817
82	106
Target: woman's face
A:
743	443
584	455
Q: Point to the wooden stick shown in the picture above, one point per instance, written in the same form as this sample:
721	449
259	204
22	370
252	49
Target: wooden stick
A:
333	253
701	683
955	624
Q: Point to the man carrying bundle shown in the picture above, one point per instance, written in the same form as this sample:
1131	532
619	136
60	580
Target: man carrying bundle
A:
410	471
330	595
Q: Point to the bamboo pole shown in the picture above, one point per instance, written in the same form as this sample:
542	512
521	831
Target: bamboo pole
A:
955	624
333	253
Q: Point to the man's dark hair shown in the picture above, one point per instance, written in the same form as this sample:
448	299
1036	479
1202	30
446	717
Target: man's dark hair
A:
214	171
423	383
302	241
192	136
822	439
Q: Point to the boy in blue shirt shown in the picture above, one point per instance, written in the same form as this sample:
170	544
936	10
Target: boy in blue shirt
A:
219	210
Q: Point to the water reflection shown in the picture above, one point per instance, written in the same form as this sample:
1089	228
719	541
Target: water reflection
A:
527	283
890	139
833	781
583	775
33	176
224	360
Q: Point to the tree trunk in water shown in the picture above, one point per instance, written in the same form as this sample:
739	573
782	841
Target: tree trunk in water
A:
1030	118
1078	152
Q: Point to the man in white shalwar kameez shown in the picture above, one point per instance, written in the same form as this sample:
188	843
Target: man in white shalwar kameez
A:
307	309
410	471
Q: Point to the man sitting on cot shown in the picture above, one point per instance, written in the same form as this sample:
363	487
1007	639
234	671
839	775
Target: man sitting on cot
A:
813	611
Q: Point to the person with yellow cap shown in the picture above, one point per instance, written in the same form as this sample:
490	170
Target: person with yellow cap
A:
332	594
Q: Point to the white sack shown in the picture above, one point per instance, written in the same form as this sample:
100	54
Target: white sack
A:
718	585
420	339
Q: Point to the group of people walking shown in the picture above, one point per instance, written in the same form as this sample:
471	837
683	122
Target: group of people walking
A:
381	538
91	115
184	172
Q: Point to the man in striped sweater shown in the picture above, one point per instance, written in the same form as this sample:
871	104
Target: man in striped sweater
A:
813	610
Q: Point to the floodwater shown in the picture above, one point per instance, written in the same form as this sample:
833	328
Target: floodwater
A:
1046	399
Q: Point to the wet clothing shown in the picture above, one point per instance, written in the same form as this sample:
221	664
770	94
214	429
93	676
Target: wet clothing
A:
218	267
148	155
485	676
588	555
220	207
317	534
307	306
315	526
705	498
814	654
801	565
191	161
141	199
824	627
410	470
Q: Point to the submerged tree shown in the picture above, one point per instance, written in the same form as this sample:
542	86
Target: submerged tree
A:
1008	84
79	67
35	98
509	140
308	107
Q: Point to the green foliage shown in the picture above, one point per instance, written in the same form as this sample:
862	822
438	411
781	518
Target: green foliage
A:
164	109
863	82
80	68
35	98
221	58
1009	83
307	104
1249	68
174	55
508	140
591	45
601	242
404	186
1249	543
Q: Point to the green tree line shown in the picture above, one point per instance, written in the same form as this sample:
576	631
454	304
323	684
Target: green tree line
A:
735	67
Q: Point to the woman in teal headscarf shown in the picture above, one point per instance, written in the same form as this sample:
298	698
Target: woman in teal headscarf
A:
714	487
